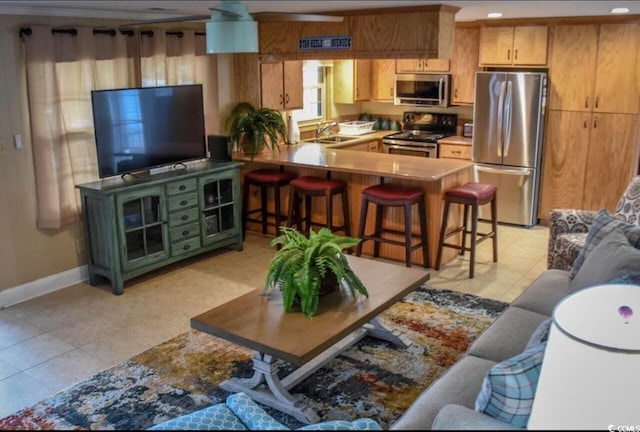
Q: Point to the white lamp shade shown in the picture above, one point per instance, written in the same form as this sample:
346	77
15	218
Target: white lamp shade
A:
232	37
591	368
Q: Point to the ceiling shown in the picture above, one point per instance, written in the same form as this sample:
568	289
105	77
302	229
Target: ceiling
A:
160	9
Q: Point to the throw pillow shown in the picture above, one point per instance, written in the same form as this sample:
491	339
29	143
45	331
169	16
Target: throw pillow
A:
626	280
604	224
613	257
509	387
540	335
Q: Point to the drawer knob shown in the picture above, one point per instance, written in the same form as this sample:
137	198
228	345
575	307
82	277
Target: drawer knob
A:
183	202
186	247
185	232
182	187
184	217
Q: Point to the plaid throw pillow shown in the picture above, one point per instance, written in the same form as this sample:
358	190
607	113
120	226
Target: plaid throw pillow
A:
509	387
603	224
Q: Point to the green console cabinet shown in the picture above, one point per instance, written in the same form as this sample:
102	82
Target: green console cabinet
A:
137	224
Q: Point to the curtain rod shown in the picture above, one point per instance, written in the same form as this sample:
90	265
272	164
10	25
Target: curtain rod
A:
73	32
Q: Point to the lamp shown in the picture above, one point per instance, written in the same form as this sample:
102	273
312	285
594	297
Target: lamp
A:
591	370
231	30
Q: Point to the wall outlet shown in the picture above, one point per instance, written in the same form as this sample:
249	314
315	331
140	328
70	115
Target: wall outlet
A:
80	245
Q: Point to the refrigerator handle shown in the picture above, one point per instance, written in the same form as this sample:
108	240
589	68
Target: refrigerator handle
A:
500	117
508	103
508	171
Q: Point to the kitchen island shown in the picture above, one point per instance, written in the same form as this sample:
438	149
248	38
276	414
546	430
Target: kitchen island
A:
362	169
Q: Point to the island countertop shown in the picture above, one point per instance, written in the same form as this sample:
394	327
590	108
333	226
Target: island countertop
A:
370	163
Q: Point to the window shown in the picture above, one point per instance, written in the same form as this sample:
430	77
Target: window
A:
314	93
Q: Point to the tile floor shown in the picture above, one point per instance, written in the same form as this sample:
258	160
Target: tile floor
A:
56	340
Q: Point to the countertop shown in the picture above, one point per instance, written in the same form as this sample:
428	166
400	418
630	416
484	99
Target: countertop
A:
357	139
331	158
456	140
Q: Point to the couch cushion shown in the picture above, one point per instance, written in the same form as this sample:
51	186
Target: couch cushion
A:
603	224
214	417
508	335
457	417
459	385
613	257
509	388
545	292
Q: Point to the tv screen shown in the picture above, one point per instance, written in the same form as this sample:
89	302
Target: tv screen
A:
141	128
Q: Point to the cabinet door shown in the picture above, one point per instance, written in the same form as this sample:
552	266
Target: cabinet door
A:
574	48
351	81
496	45
272	81
293	85
382	79
618	71
142	229
436	65
530	45
465	65
363	80
612	160
409	65
564	161
219	206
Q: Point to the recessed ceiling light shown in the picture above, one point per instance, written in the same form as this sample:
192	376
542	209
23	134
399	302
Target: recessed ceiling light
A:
494	15
620	10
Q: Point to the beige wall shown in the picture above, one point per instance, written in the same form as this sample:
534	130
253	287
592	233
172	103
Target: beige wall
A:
26	252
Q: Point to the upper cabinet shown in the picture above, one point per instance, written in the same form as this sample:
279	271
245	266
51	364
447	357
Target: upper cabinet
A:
608	60
382	79
422	65
351	81
511	46
281	84
421	30
464	65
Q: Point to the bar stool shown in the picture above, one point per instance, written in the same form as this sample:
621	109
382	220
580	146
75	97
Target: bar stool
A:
394	196
470	195
309	187
264	179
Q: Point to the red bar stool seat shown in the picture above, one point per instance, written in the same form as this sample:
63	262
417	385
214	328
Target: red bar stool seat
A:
264	179
308	187
384	196
471	195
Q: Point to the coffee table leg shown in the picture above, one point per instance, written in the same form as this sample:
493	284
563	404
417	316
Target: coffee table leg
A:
378	330
276	395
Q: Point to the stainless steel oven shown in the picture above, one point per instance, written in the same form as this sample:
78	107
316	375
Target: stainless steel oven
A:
420	134
430	150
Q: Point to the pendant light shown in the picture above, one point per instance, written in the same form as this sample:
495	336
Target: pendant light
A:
231	30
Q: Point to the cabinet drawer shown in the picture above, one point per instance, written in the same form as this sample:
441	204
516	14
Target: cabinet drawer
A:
184	232
183	201
186	246
455	152
183	217
373	146
182	186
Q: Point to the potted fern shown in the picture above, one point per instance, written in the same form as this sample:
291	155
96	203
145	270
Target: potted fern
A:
306	267
254	129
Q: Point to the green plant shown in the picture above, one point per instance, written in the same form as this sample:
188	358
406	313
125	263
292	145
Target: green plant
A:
302	262
253	129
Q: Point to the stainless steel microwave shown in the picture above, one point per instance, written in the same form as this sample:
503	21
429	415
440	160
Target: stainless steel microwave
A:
422	89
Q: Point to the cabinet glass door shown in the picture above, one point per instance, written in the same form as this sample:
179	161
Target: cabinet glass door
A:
219	216
142	228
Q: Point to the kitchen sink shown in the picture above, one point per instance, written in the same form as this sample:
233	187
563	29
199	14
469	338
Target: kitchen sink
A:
331	139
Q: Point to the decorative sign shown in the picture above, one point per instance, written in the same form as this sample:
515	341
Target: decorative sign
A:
324	43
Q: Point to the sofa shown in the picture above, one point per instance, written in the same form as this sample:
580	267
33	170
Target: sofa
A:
610	254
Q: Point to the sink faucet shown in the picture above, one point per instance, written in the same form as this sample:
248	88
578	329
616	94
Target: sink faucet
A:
322	129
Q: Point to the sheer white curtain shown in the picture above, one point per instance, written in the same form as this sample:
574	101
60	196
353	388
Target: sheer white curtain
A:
62	69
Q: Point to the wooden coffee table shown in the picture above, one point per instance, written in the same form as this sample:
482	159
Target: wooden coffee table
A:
258	322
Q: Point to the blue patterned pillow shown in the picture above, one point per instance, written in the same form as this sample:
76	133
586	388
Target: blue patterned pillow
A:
254	417
541	334
626	280
603	224
509	387
360	424
215	417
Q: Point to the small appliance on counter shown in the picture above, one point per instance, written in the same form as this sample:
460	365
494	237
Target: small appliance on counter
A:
467	130
420	133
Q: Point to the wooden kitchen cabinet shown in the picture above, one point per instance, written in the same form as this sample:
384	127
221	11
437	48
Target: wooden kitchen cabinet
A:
588	160
522	45
608	59
281	85
453	151
422	65
465	65
369	146
351	81
382	79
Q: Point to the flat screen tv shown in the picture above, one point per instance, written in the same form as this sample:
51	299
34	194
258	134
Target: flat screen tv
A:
141	128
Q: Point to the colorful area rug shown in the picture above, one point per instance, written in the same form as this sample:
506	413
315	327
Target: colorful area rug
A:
372	379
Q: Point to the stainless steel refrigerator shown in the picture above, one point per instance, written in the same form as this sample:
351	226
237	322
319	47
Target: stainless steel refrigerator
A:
508	119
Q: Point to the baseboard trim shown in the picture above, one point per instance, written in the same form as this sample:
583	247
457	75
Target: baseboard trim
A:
45	285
